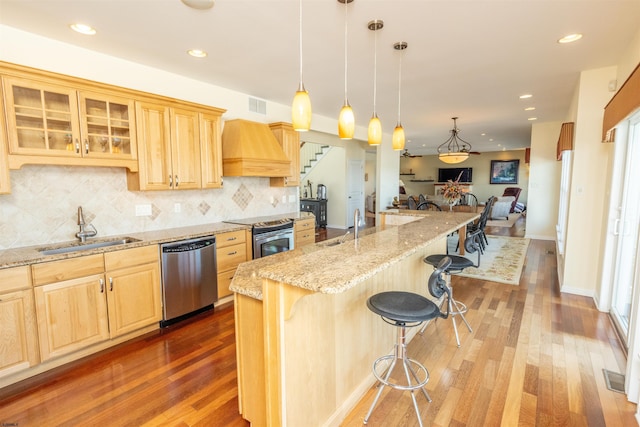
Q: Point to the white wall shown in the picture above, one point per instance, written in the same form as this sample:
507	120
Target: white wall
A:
587	190
544	182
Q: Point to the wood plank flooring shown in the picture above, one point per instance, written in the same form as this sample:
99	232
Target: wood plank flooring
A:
535	358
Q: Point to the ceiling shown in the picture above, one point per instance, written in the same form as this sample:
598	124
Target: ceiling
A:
470	59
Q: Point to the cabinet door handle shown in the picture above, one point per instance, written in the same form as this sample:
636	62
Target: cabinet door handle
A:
111	284
86	147
232	253
170	180
77	146
177	182
101	286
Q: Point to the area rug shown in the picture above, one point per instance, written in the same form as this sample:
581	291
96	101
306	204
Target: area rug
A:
504	222
502	261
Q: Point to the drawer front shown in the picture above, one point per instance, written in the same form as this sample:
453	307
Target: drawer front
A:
229	257
57	271
305	237
305	224
131	257
15	278
230	238
224	280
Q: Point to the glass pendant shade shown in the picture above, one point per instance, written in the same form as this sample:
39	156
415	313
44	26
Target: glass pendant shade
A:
301	111
375	131
397	141
453	157
346	122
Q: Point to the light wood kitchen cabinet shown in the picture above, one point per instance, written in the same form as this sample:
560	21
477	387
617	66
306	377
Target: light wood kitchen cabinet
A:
19	337
169	154
211	150
289	140
107	126
305	232
59	124
133	289
5	185
231	249
90	299
71	306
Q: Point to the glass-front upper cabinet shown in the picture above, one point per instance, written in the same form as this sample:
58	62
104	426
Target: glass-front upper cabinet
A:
49	120
107	126
41	119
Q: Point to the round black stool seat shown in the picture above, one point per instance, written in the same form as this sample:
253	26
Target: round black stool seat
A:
403	307
458	263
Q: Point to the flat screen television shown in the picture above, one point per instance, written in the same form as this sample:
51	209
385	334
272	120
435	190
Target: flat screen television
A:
446	174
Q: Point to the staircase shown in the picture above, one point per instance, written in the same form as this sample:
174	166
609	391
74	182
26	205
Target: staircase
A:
310	155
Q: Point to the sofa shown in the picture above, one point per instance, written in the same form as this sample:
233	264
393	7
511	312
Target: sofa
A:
501	207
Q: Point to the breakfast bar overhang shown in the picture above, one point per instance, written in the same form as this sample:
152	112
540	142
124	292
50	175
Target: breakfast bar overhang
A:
305	339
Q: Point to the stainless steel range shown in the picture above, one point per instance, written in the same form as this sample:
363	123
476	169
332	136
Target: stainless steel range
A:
270	235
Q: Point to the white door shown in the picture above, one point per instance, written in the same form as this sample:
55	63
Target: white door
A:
625	227
355	190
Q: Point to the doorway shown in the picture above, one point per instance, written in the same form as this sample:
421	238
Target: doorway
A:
355	190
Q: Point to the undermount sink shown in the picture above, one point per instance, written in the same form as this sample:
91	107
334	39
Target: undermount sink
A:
86	246
334	243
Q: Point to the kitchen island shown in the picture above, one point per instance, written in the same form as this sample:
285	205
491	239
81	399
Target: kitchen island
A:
305	338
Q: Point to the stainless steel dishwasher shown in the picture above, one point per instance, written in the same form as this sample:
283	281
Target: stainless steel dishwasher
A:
189	280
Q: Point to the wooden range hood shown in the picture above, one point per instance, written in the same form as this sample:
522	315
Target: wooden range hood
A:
251	149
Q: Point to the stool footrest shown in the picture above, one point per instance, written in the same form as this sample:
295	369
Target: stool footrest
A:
409	364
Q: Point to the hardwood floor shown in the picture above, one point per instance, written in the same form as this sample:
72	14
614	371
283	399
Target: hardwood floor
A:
535	358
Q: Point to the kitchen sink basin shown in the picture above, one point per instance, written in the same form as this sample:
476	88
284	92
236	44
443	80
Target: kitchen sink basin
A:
86	246
334	243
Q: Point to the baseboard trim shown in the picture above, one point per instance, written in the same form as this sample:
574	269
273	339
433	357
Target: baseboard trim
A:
577	291
539	236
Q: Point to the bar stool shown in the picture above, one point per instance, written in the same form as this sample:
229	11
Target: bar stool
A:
472	244
405	310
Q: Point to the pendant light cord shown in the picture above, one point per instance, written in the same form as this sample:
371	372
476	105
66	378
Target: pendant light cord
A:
301	87
375	66
399	85
345	51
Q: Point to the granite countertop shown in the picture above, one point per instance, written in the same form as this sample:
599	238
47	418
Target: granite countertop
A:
335	269
31	255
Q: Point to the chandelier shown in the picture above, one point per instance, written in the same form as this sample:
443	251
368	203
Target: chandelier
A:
455	149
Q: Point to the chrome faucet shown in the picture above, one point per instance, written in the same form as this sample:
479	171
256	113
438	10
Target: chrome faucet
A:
356	222
83	233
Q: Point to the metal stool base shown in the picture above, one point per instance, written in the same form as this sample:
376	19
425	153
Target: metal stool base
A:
411	370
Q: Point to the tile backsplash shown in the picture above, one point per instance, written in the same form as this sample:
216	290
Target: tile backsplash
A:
43	204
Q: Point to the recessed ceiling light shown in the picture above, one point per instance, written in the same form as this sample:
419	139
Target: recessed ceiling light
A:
482	134
83	29
199	4
532	118
570	38
526	96
197	53
529	108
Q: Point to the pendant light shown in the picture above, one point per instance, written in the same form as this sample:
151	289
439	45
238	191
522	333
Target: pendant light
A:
397	141
301	106
346	121
375	127
457	149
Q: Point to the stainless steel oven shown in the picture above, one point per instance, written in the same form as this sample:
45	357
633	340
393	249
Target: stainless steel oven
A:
271	237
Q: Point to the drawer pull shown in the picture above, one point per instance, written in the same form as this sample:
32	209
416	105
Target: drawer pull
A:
232	253
231	239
